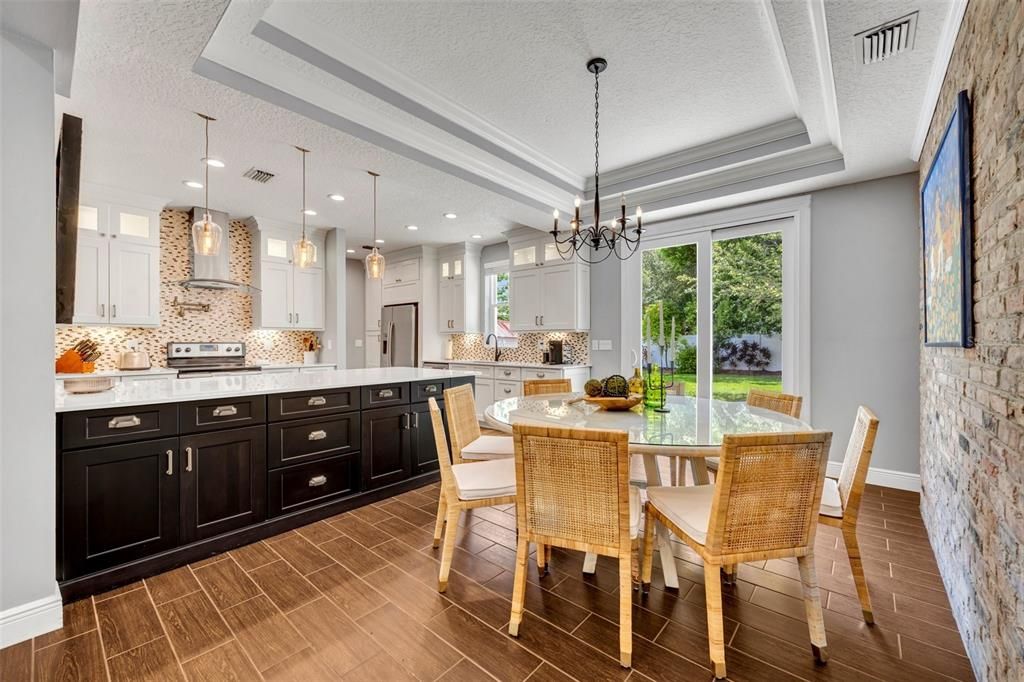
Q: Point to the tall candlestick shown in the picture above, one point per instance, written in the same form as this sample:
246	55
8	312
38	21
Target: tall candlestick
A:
649	338
661	324
555	214
673	341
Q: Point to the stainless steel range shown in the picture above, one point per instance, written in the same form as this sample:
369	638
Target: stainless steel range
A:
207	359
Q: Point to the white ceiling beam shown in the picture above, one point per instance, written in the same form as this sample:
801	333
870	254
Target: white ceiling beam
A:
823	55
943	53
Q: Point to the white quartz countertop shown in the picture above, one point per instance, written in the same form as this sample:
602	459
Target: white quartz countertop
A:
294	365
151	372
503	363
173	390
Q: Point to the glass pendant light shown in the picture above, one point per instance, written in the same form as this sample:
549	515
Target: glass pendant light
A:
304	251
374	261
206	234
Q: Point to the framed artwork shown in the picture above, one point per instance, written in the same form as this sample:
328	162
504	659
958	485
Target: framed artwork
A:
946	224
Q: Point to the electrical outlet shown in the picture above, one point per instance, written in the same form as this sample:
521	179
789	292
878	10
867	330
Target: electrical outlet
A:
605	344
359	343
329	344
594	344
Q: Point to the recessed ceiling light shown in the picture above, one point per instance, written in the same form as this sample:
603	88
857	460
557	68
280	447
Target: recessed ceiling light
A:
335	197
350	250
411	227
478	236
210	161
450	216
309	211
194	184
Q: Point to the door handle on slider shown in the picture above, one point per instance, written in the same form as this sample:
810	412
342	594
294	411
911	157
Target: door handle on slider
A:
317	481
225	411
188	459
319	434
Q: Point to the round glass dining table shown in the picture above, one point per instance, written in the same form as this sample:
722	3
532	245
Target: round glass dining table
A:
692	429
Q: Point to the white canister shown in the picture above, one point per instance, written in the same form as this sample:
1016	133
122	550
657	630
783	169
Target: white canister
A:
309	357
449	349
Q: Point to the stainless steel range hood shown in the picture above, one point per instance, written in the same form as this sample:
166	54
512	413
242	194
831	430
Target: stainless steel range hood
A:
212	272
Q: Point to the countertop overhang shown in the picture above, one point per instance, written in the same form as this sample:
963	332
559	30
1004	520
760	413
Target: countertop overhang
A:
512	363
173	390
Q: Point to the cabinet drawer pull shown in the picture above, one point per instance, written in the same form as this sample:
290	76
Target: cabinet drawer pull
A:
188	459
124	422
508	390
319	434
508	373
430	388
385	393
541	375
317	481
170	463
225	411
317	401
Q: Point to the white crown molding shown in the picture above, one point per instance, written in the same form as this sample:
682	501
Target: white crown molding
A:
780	53
901	480
742	147
943	53
285	26
823	57
92	191
35	618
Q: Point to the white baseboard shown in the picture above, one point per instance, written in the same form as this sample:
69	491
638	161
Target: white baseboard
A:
25	621
900	480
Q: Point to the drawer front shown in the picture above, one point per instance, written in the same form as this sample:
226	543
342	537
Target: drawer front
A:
226	413
507	373
422	391
384	395
310	403
305	485
535	373
507	389
306	440
118	425
481	371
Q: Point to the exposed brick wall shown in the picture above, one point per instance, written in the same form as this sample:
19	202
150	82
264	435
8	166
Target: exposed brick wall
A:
972	411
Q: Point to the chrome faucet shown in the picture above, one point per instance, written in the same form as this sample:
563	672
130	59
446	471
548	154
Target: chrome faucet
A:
497	351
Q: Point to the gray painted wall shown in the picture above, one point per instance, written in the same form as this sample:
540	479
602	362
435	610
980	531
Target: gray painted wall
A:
864	314
335	307
355	279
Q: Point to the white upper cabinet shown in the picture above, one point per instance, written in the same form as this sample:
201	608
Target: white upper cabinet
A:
403	272
459	289
117	263
547	292
289	297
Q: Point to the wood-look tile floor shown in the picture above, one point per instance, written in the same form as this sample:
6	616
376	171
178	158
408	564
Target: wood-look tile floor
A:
354	598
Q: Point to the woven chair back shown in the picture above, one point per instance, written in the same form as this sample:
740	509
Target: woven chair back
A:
858	458
776	402
463	427
443	457
767	492
573	486
543	386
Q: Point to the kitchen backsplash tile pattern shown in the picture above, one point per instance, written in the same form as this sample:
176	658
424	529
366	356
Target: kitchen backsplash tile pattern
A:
229	318
471	347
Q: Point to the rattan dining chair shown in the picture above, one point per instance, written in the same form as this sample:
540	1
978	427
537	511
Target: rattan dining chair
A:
783	403
572	491
465	486
464	428
840	499
544	386
763	505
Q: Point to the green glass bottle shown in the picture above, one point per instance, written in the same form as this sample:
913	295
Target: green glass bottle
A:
636	383
655	394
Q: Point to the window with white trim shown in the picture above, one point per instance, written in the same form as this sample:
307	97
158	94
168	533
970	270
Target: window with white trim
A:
496	303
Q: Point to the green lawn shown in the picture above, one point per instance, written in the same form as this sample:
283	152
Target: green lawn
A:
733	386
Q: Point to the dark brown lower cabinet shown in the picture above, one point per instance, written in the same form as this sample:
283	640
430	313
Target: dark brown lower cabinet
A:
118	503
223	481
387	446
305	485
424	447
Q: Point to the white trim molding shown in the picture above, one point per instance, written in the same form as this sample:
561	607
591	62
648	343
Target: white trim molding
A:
943	53
901	480
25	621
826	77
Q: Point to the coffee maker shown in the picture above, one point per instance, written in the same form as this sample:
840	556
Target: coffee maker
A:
554	355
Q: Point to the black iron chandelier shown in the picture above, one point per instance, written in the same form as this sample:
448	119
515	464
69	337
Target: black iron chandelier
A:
596	242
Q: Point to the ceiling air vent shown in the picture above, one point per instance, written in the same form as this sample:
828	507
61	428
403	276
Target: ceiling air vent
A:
885	41
258	175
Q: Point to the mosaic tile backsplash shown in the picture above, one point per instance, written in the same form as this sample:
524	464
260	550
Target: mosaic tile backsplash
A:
229	319
471	347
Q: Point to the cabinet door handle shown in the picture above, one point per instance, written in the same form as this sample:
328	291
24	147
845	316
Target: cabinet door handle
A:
188	459
317	481
536	320
385	393
124	421
296	318
405	421
103	309
289	318
542	320
415	420
170	463
319	434
225	411
317	401
113	310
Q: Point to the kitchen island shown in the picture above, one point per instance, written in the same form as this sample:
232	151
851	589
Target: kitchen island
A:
158	473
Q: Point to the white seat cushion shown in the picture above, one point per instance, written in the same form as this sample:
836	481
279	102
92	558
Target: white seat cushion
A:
489	447
831	503
688	507
635	507
480	480
711	463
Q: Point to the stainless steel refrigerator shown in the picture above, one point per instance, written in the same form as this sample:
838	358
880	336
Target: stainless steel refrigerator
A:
398	347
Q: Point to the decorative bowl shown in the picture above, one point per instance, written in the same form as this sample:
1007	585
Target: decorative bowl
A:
615	404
